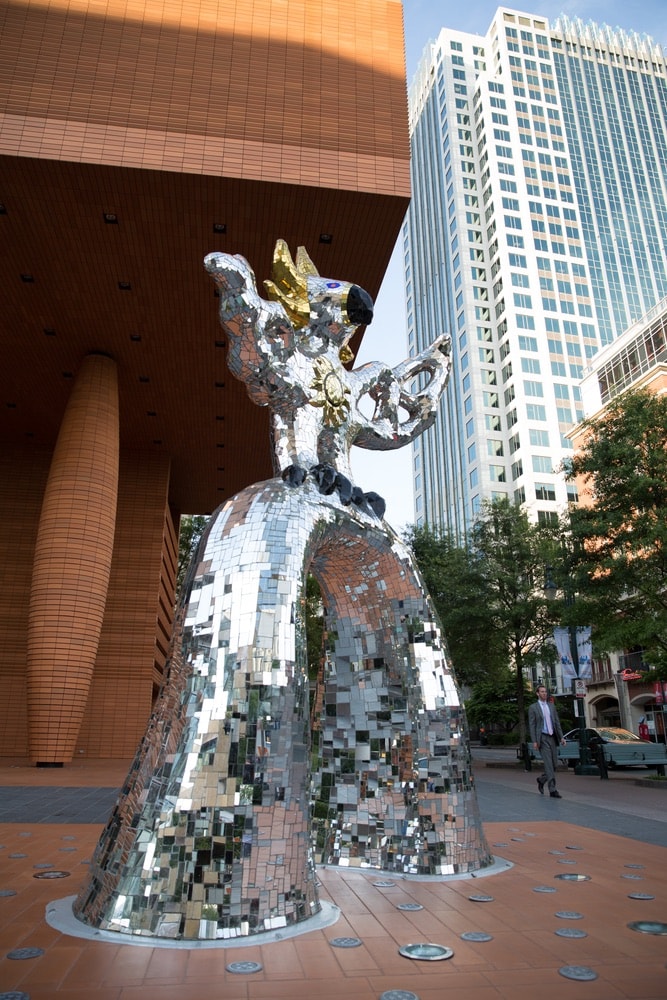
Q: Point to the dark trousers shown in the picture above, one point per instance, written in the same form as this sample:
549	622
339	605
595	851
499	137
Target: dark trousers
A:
549	752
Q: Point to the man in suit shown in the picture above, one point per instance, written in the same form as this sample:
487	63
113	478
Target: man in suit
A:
546	734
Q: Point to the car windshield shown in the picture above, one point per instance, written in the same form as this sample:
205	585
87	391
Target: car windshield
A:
618	735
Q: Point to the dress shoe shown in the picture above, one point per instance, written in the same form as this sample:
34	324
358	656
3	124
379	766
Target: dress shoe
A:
540	785
555	795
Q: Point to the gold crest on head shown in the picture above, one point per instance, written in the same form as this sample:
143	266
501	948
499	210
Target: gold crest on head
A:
289	283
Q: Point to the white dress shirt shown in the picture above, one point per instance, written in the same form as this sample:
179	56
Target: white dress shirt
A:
547	726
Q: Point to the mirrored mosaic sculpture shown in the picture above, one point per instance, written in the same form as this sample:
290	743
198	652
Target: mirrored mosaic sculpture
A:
229	801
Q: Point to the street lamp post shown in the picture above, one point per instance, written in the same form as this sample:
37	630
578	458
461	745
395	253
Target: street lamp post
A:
585	765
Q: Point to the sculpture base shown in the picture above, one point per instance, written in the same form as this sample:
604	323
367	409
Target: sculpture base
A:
236	790
60	916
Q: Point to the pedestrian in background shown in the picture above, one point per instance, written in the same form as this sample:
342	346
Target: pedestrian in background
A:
546	733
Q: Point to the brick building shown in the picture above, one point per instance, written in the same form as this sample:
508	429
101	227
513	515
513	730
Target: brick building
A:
136	137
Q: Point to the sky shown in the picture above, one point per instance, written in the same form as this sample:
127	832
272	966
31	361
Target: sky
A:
389	473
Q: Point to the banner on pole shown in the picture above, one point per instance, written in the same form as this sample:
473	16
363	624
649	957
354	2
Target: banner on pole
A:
584	653
562	640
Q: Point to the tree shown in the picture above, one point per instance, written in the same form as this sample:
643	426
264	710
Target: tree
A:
456	581
190	531
490	595
493	702
314	621
619	533
514	553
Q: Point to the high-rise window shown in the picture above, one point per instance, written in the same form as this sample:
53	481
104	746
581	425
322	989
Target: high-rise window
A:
562	202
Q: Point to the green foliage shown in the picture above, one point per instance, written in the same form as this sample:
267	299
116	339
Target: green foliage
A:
494	703
502	739
190	531
490	594
456	581
619	558
515	553
314	614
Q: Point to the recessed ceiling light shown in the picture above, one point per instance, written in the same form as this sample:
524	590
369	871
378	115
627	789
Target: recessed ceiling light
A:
157	440
124	286
219	343
221	468
48	332
110	218
219	417
219	227
28	278
144	378
11	406
219	445
3	209
136	337
326	238
68	374
220	385
151	413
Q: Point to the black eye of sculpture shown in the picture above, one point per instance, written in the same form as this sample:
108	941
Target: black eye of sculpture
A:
359	306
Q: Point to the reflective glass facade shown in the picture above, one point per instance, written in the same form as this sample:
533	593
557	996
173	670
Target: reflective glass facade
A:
535	237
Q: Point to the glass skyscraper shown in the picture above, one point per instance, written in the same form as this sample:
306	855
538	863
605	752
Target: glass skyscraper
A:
536	235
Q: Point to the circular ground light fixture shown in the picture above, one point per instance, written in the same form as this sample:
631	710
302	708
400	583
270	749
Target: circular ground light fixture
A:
580	972
566	861
573	877
476	936
555	852
52	874
648	926
634	866
410	906
398	995
384	885
502	843
569	915
480	899
14	995
244	967
20	954
345	942
544	888
570	932
7	892
18	855
573	847
640	895
426	952
44	864
635	878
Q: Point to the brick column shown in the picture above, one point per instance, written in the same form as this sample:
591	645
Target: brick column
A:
72	563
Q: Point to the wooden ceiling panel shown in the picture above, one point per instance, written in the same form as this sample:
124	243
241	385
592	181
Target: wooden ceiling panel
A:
163	330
